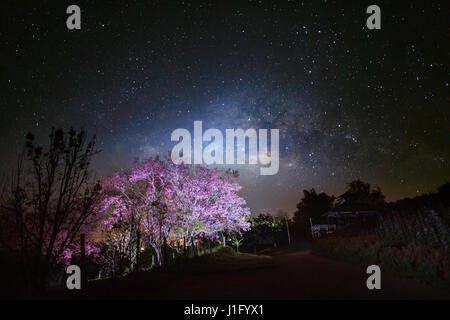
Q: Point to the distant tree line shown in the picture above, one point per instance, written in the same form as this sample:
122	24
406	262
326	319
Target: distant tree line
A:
314	205
268	230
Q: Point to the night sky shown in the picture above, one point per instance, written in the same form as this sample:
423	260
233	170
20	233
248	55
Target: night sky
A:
349	102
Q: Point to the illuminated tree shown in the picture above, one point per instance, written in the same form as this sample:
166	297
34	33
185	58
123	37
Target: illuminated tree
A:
156	200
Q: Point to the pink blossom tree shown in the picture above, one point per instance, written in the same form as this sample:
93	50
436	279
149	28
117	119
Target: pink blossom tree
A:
157	199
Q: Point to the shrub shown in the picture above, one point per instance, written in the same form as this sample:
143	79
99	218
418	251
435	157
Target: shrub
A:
408	246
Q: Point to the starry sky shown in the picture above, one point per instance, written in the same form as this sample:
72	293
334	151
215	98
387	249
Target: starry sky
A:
349	102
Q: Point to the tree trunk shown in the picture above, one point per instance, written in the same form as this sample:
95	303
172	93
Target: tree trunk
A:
138	249
83	262
158	253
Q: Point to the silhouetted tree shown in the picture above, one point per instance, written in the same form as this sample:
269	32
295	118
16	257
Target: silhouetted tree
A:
361	193
312	205
48	203
438	201
443	194
377	197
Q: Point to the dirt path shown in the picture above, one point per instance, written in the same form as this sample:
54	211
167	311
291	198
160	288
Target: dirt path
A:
299	275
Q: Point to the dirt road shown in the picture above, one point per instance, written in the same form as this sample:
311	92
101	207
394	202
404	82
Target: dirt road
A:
296	274
302	275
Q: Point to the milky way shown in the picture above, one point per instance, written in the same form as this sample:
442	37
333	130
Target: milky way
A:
349	102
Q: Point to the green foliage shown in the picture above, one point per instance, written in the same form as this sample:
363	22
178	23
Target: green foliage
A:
265	230
221	260
236	240
223	251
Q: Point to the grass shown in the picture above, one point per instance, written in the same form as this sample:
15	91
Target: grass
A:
162	283
224	259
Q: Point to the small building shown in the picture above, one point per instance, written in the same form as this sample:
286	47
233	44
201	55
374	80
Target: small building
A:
348	210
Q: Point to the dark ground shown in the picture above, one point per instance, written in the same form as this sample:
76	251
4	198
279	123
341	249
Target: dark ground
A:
295	274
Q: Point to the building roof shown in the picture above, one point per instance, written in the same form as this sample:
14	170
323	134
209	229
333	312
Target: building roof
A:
352	209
